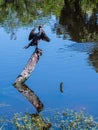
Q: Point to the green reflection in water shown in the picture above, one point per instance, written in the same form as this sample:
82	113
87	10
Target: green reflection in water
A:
80	22
27	11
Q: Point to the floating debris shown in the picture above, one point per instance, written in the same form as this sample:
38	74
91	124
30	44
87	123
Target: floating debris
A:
61	87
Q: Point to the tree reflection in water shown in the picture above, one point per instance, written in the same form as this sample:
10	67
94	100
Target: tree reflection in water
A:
82	26
93	58
80	23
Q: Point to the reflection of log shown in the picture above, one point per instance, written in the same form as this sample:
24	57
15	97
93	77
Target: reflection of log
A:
30	95
29	67
39	122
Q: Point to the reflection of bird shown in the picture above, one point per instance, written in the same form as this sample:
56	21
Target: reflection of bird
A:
36	37
13	35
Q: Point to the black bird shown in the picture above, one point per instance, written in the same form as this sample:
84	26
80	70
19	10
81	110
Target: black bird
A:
36	37
33	34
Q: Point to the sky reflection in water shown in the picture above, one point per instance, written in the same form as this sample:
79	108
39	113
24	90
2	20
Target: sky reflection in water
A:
62	61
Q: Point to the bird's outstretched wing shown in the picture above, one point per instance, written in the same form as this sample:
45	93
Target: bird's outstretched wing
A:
32	34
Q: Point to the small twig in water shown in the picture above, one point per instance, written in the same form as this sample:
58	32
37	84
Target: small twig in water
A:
61	87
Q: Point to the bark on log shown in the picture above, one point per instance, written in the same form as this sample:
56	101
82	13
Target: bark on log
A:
30	95
29	67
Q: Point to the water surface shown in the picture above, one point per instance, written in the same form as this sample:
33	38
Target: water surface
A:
63	60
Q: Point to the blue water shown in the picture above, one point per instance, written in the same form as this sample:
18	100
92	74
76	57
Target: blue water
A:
62	61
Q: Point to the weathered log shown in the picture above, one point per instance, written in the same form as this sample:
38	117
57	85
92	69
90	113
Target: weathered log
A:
29	67
30	95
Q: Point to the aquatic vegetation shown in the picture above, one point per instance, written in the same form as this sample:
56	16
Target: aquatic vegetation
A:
30	122
65	120
72	120
3	123
22	122
51	120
